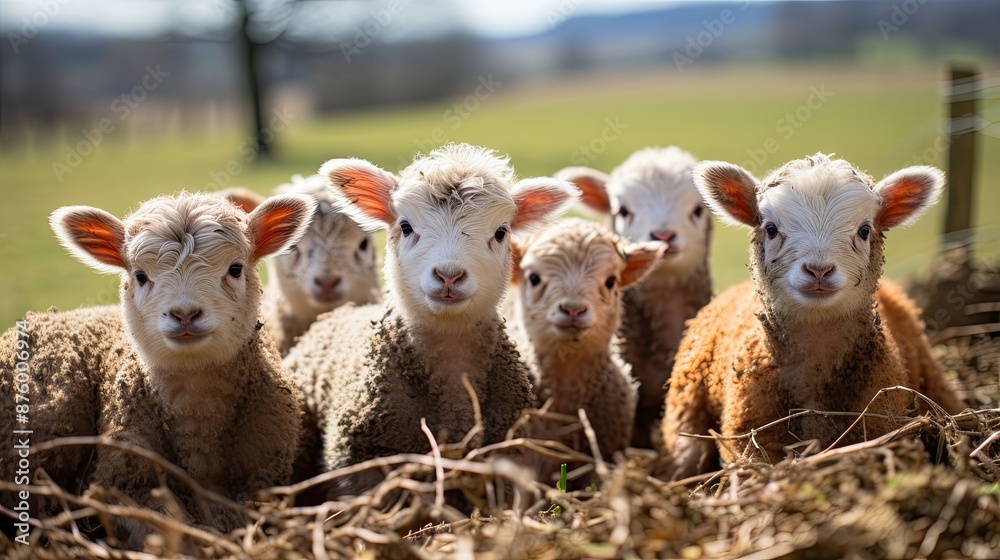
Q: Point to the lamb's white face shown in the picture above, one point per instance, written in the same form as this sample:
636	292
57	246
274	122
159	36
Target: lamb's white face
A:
817	227
448	251
332	264
190	291
449	217
666	209
651	196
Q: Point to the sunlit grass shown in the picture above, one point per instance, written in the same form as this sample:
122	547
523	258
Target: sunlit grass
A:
878	125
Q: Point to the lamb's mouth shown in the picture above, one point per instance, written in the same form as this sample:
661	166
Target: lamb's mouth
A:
188	336
449	298
570	329
818	293
326	297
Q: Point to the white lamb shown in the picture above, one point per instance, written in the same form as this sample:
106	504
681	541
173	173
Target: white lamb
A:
332	264
813	330
567	306
651	197
371	373
181	368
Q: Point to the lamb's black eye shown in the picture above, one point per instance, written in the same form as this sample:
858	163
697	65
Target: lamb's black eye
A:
534	278
771	230
500	234
364	244
235	270
624	212
405	227
141	278
610	282
698	211
865	231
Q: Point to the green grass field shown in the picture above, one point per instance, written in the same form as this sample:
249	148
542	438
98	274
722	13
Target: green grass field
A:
879	120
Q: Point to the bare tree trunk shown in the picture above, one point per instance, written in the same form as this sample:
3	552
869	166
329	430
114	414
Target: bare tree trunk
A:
251	52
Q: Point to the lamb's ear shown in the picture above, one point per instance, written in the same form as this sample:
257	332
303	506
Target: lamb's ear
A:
907	193
729	190
539	199
279	222
93	236
242	197
364	189
592	184
640	260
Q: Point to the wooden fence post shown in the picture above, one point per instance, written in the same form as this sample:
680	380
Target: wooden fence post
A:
963	93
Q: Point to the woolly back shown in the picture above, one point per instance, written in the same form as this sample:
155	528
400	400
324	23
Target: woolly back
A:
333	263
190	291
569	280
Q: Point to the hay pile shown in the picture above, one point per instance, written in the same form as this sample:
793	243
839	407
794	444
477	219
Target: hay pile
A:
929	489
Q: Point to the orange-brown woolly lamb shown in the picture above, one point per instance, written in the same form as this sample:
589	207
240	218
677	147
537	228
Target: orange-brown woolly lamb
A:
806	333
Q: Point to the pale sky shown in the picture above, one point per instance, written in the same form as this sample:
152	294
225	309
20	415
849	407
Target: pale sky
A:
490	18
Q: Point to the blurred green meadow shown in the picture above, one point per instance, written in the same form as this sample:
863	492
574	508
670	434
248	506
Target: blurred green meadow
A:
878	119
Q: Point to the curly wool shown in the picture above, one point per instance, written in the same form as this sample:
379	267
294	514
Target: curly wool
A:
368	385
87	379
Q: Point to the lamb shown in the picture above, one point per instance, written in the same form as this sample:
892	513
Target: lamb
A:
567	307
371	373
332	264
181	368
808	331
651	196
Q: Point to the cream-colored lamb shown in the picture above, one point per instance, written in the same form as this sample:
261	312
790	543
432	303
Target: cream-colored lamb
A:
651	197
181	367
332	264
567	287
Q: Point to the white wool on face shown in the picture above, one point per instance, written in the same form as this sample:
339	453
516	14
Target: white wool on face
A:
818	211
455	200
656	188
573	260
334	247
185	247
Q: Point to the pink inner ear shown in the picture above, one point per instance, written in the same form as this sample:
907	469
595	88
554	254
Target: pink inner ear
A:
516	254
272	230
370	193
593	193
900	202
639	262
736	199
100	240
536	204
